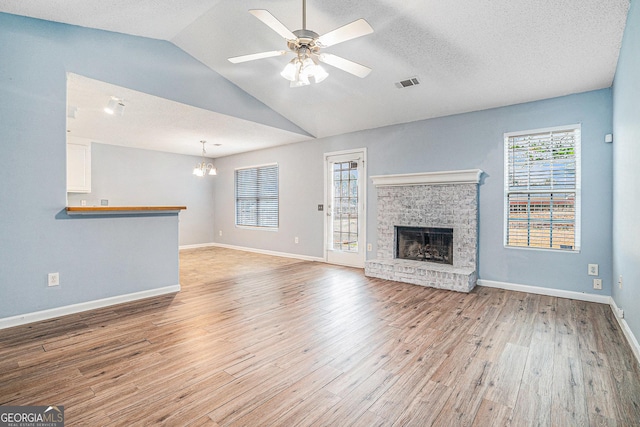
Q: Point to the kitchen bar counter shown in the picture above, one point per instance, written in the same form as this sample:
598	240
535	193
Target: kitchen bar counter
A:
119	210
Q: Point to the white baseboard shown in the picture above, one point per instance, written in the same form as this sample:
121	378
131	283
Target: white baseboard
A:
631	339
196	246
266	252
38	316
581	296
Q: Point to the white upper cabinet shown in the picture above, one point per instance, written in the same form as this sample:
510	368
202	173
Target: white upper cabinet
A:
78	166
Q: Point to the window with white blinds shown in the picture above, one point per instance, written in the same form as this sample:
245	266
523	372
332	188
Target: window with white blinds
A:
257	196
542	188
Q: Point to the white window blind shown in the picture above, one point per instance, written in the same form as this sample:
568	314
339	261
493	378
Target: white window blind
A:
542	188
257	196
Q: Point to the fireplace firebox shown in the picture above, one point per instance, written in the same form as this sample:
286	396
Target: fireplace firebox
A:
425	244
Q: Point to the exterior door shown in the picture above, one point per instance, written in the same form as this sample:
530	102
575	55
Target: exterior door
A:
345	201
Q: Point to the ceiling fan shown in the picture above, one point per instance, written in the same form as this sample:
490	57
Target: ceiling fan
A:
307	45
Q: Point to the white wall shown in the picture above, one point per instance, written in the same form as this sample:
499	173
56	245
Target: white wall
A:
134	177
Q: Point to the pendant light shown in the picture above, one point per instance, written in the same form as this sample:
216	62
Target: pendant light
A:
203	168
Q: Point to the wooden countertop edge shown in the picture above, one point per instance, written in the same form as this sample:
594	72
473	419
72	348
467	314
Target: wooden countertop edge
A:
119	209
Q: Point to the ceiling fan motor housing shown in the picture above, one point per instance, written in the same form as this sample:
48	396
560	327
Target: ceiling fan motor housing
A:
305	38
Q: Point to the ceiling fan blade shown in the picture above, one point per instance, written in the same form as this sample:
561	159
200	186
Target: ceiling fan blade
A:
346	32
345	65
273	23
253	56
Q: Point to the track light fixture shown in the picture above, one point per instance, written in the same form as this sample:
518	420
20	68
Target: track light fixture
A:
115	106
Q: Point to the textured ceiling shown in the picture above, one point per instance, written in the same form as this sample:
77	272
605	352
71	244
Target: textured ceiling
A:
154	123
468	54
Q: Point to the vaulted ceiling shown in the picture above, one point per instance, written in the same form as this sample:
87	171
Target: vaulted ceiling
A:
467	54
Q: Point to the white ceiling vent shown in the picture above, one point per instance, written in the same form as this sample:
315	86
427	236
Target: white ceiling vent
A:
411	81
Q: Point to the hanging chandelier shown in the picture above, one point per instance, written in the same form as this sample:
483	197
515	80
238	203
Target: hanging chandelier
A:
203	168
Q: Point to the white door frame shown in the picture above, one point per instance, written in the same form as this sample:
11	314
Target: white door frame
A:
362	221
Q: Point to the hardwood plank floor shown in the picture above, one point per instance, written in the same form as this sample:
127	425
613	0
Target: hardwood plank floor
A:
254	340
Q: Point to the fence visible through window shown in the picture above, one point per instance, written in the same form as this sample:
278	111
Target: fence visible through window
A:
542	188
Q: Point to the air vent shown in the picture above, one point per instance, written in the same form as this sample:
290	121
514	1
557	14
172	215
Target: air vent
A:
411	81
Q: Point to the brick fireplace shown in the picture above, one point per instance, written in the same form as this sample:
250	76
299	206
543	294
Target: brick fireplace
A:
428	201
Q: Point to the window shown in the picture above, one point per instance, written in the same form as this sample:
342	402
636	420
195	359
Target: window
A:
542	188
345	206
257	196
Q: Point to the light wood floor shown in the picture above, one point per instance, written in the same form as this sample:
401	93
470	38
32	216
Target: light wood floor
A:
258	341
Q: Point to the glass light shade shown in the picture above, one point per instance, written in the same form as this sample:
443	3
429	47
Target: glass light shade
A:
307	65
319	73
213	171
289	71
303	80
197	171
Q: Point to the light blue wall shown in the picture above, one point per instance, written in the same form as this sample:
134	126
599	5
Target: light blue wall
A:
103	257
626	175
96	257
130	177
473	140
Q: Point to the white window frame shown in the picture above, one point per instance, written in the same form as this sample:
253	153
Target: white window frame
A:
235	192
577	190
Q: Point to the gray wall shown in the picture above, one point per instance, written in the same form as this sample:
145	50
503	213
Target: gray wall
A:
466	141
133	177
96	257
626	175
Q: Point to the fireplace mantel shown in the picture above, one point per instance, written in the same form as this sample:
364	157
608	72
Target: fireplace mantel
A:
467	176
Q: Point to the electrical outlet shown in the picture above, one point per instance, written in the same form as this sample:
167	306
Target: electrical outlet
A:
295	240
597	283
220	233
620	282
369	247
53	279
592	270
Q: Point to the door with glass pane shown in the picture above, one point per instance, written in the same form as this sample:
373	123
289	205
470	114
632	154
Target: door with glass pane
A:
345	208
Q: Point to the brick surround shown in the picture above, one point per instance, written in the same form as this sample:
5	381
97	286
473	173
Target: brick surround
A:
437	199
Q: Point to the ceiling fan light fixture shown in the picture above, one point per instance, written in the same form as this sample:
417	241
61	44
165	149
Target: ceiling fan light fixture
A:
299	70
306	45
